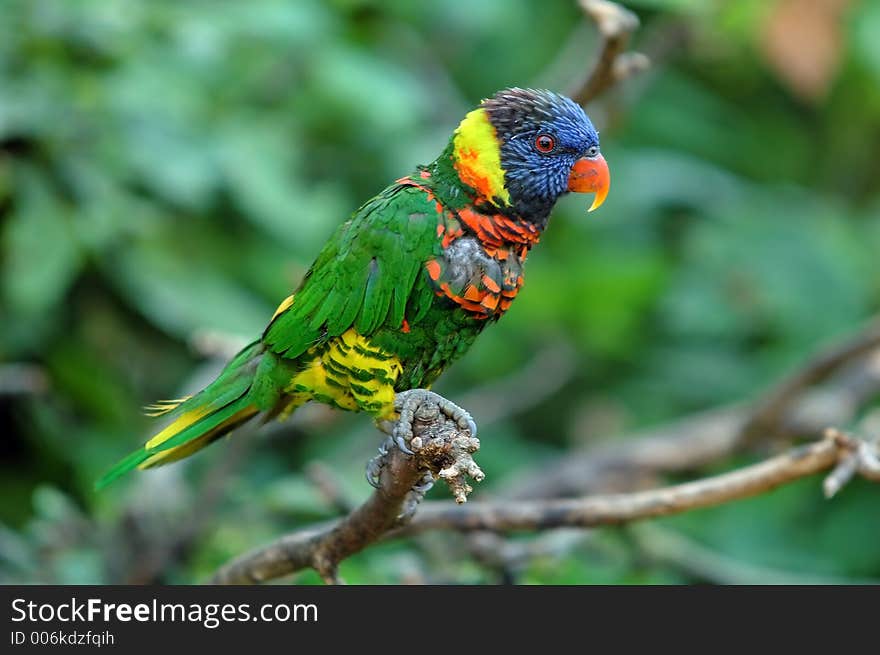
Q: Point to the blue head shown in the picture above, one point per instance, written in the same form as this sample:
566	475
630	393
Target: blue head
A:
548	146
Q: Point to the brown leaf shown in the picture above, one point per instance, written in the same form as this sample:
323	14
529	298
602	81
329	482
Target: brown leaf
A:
801	41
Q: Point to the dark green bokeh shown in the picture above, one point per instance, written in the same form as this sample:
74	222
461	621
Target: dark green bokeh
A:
168	169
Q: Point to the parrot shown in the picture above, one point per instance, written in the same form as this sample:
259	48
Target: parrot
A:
406	284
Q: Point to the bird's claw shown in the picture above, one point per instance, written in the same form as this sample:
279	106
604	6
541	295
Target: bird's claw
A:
401	443
414	497
377	463
461	416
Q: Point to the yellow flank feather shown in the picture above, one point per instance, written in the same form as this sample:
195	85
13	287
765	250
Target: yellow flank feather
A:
478	156
350	373
312	384
177	425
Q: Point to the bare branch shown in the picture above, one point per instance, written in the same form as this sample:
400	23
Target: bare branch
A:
629	462
682	446
336	541
771	411
636	461
616	25
445	451
614	509
861	457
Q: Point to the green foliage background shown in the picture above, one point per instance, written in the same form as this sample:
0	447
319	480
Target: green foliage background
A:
169	169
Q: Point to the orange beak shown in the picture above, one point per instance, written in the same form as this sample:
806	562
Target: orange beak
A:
591	176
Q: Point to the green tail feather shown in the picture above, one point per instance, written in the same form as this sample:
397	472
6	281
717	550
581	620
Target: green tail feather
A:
221	406
128	463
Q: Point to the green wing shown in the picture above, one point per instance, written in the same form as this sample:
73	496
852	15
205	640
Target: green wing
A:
369	275
366	276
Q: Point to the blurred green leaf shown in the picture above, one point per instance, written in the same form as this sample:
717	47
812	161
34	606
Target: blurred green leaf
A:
41	253
183	298
173	166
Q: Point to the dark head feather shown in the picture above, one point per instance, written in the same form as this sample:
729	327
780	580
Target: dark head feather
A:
536	179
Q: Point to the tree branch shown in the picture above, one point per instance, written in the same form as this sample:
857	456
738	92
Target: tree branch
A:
634	462
798	410
771	411
322	547
613	64
445	451
837	449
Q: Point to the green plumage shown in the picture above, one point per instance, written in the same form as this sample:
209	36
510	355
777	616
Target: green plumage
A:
405	286
365	277
369	276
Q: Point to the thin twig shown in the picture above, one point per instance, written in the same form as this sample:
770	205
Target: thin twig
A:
771	411
616	25
861	459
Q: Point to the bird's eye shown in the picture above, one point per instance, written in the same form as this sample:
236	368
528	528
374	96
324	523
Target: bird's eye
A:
544	143
593	151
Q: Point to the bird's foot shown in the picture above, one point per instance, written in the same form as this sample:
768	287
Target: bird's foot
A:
407	404
424	407
415	496
377	463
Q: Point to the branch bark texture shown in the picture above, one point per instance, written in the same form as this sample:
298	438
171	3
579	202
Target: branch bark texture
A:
839	453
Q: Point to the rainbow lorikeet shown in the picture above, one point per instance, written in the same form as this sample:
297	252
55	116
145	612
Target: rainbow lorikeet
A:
404	286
